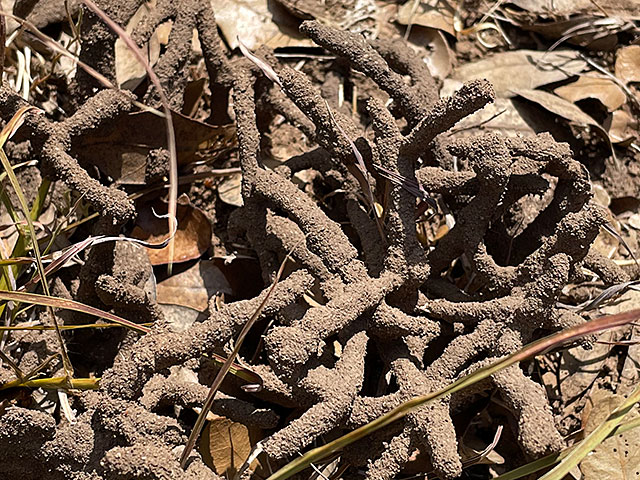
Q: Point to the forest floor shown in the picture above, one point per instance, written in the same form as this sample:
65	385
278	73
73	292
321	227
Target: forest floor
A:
358	203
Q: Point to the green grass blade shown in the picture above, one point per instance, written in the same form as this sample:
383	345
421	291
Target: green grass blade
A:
5	134
531	350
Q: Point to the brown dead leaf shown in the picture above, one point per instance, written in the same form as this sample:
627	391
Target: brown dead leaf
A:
350	13
500	116
631	369
193	287
120	149
428	13
617	457
568	111
628	64
179	318
191	240
257	23
522	69
562	108
601	88
226	445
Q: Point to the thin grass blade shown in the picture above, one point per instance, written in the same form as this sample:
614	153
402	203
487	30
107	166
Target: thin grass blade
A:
171	136
55	383
56	302
268	71
360	172
6	133
226	367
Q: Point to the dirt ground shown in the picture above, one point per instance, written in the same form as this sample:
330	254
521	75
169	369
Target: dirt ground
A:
451	181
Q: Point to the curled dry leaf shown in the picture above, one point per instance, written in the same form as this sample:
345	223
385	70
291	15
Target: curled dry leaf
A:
601	88
191	240
628	64
433	47
428	13
194	287
622	127
522	69
129	71
230	190
121	152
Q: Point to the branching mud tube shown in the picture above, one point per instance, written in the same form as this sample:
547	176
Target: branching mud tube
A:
387	300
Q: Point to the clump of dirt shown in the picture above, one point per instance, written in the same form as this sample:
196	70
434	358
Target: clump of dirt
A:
381	292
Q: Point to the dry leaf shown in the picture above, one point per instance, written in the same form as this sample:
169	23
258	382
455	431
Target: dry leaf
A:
622	127
559	8
230	190
349	13
428	13
600	195
257	23
226	445
191	240
628	64
179	318
193	287
432	45
579	367
630	372
634	221
600	88
500	116
129	71
617	457
121	149
560	107
605	243
522	69
581	30
566	110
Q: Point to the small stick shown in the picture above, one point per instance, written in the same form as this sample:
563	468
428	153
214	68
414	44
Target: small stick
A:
197	429
3	39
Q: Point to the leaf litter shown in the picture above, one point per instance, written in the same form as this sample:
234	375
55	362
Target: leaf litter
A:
576	60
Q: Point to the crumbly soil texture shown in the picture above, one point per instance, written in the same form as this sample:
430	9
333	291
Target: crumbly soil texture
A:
418	253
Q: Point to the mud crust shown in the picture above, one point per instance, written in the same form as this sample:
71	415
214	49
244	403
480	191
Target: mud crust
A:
392	295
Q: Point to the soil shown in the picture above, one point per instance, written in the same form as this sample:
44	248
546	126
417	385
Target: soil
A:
368	315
